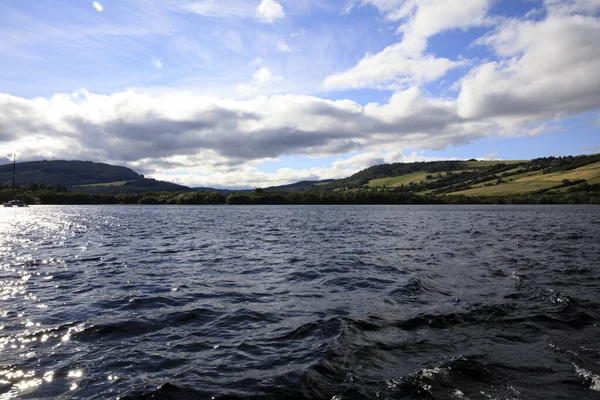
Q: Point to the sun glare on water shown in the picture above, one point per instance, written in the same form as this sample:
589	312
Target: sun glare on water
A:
98	6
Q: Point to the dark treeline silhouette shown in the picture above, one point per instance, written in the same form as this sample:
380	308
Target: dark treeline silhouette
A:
581	193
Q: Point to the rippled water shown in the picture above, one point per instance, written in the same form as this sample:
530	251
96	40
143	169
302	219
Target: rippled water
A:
352	302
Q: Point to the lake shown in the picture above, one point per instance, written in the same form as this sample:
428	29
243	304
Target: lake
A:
300	302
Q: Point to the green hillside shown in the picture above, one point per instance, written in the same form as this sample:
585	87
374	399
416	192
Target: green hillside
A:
68	173
84	176
468	178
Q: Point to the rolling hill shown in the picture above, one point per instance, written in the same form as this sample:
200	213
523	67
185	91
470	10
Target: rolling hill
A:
469	178
85	176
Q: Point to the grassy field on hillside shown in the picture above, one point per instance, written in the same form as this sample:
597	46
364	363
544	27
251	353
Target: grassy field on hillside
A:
417	177
395	181
119	183
482	179
530	182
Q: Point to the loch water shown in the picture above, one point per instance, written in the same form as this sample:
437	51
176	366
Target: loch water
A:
300	302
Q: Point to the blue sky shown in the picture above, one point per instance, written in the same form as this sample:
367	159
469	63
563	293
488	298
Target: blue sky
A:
253	93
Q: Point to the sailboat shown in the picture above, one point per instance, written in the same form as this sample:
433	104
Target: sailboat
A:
14	203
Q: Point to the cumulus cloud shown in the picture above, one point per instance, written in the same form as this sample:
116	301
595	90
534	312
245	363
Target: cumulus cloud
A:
131	127
406	63
547	69
391	69
269	11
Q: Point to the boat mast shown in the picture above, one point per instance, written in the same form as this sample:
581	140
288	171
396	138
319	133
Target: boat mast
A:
14	174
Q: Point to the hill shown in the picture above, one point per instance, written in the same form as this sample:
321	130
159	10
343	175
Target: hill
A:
69	173
84	176
469	178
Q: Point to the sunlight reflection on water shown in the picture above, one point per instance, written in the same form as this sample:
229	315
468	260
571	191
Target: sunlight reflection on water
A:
22	231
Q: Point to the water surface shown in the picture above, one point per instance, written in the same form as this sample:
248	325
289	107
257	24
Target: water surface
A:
316	302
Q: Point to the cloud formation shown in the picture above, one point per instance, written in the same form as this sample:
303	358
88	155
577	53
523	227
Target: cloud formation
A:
269	11
391	69
407	63
131	126
548	69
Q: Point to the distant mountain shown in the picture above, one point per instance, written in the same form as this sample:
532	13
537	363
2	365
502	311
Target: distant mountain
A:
85	176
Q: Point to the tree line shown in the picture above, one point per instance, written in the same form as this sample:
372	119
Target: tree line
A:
582	193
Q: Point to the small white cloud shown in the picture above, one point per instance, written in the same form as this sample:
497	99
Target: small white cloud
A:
157	63
494	155
269	11
262	78
283	47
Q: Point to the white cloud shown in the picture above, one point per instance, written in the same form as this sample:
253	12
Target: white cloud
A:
131	126
494	155
547	70
391	69
269	11
157	63
283	47
263	78
406	63
569	7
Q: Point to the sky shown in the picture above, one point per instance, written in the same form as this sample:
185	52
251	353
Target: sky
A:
257	93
